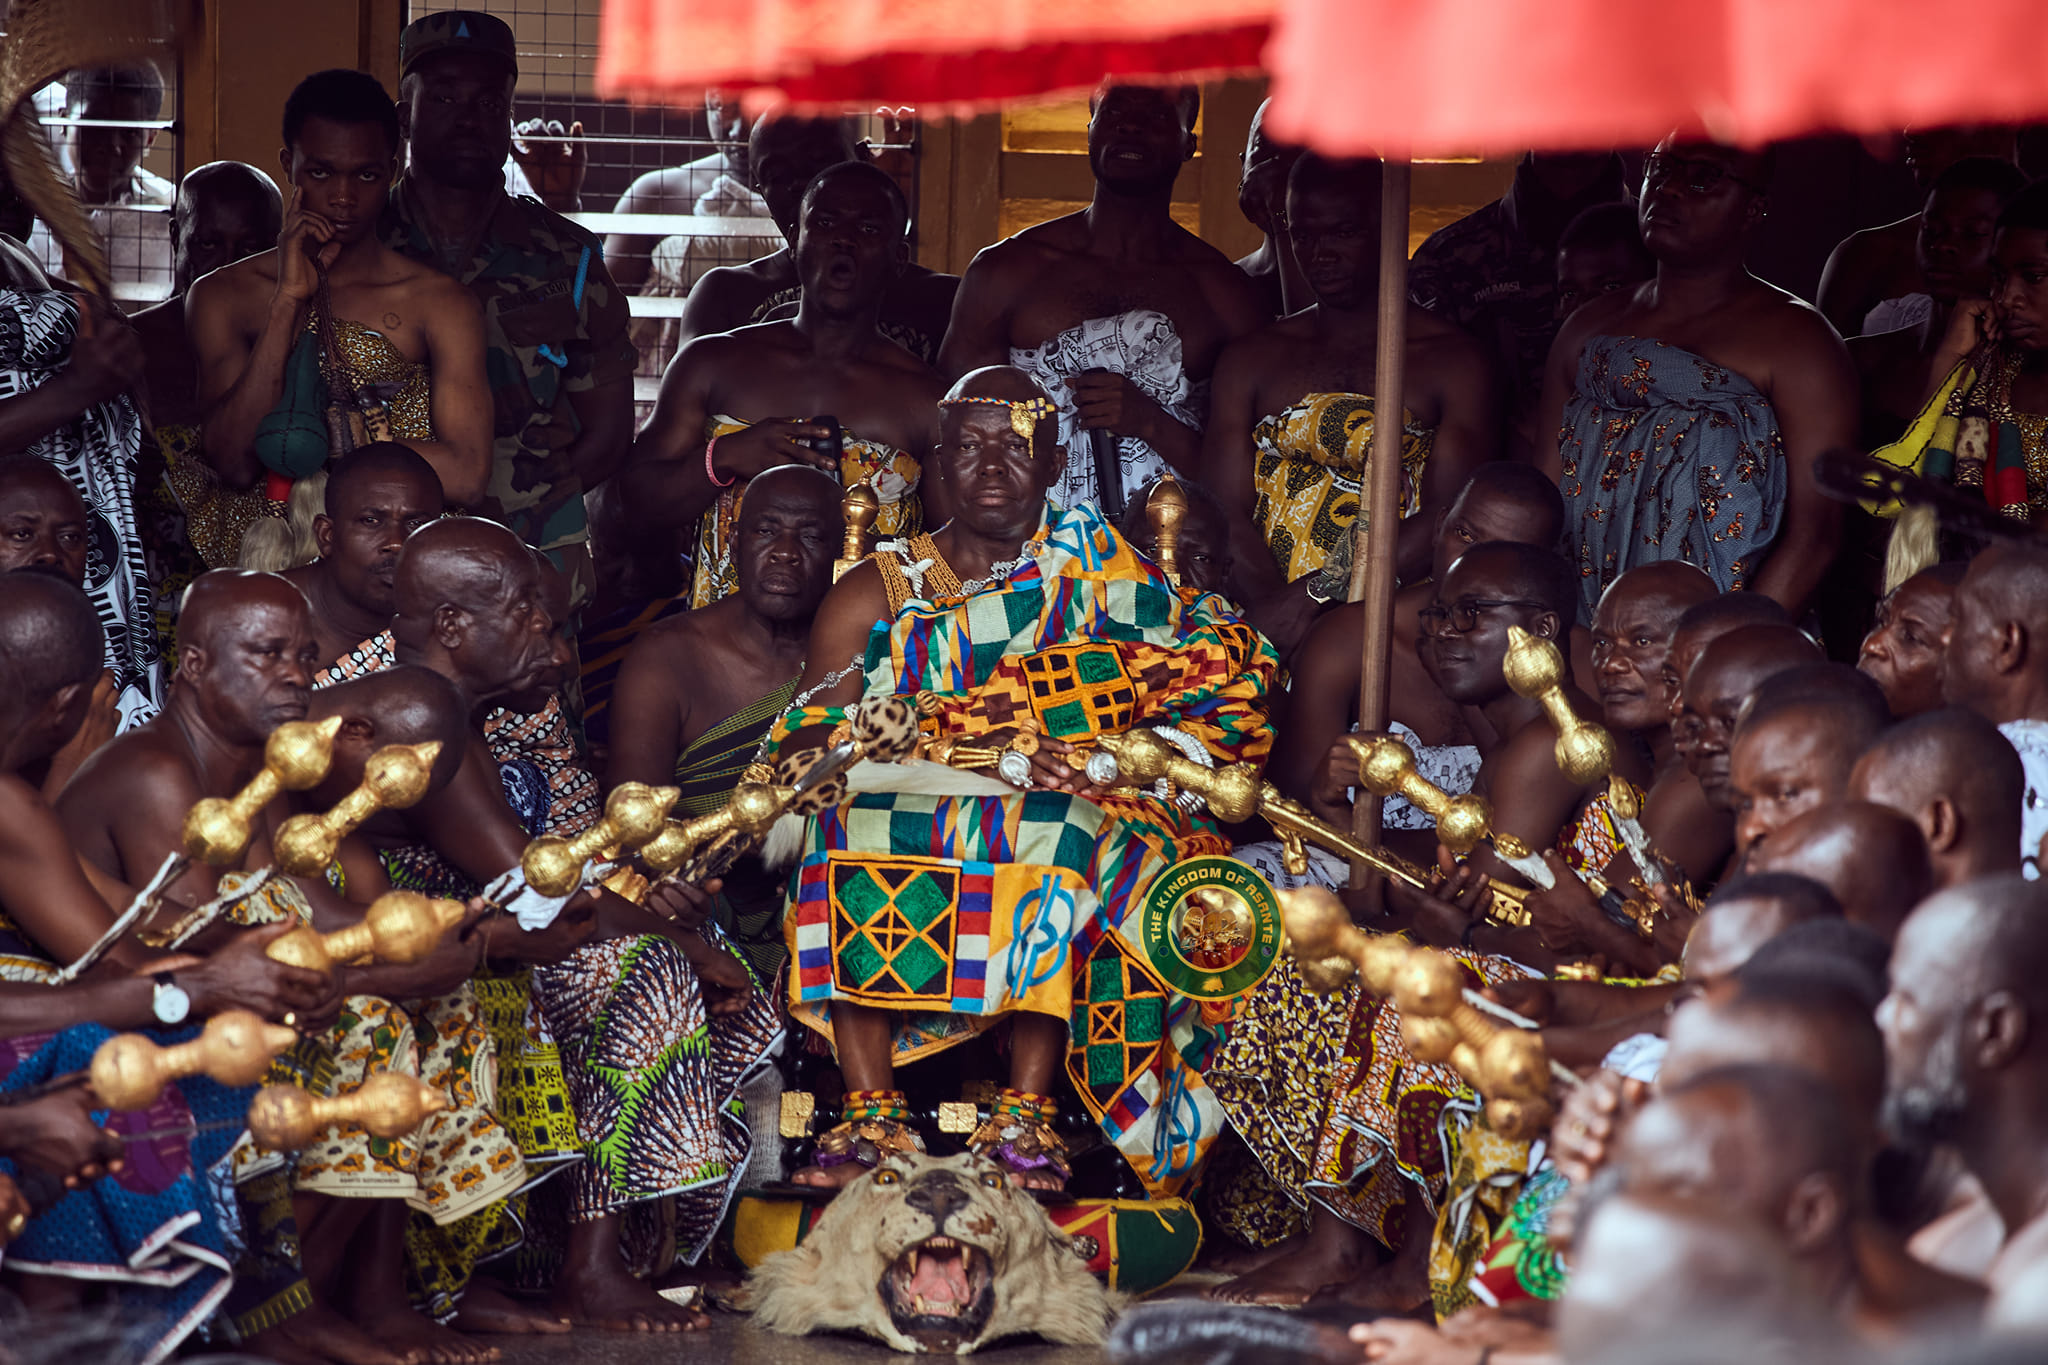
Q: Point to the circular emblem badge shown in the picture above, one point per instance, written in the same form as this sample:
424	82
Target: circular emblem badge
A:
1211	927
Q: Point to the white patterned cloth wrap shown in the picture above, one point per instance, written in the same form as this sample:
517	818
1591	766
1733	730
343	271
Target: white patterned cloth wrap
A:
1142	345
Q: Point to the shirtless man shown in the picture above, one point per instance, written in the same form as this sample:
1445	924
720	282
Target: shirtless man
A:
783	156
1261	436
471	607
340	152
375	498
1955	776
1503	502
245	655
225	211
1203	551
1707	336
1879	264
1966	1064
754	387
688	673
1766	1141
1117	311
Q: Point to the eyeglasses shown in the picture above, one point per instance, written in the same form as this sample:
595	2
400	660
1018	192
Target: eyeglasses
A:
1463	614
1694	175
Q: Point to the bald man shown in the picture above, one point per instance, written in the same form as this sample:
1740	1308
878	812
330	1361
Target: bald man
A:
1717	687
374	499
1797	741
1996	663
225	210
1765	1142
1966	1045
1872	857
245	651
1952	773
1903	651
472	607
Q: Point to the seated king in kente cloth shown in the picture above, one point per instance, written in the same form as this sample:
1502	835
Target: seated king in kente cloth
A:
922	917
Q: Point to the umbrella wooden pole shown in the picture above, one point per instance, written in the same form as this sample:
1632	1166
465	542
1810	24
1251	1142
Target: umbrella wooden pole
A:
1372	572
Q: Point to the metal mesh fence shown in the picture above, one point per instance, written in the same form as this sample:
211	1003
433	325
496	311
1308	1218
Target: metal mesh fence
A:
661	182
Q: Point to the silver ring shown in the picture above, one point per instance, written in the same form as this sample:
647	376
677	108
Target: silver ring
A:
1014	768
1101	768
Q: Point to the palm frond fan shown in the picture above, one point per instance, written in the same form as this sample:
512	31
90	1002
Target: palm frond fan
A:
45	39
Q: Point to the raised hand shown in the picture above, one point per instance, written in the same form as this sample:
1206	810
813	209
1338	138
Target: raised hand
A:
773	441
553	159
306	238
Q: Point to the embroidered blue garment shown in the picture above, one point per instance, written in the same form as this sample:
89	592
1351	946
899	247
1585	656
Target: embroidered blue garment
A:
1666	456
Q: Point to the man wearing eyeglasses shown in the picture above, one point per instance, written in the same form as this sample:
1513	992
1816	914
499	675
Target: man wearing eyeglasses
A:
1690	410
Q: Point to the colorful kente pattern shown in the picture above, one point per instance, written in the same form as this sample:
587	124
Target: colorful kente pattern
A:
951	911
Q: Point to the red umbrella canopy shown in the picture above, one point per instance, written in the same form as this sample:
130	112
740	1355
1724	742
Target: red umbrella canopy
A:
1439	76
931	53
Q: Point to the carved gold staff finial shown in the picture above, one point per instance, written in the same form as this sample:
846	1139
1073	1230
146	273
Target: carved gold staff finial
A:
295	757
399	926
1138	757
1509	1066
633	814
860	507
129	1071
395	777
753	808
1166	509
284	1118
1536	669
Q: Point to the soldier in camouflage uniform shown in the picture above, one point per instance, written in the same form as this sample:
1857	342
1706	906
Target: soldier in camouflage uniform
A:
558	357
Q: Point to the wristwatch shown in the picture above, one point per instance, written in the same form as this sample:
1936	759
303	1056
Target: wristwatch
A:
169	1001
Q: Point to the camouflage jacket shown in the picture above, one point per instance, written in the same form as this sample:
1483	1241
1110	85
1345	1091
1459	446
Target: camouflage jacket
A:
554	325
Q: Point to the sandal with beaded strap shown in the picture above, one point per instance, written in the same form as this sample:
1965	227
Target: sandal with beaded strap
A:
872	1128
1018	1136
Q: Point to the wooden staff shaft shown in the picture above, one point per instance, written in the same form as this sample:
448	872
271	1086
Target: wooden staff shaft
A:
1372	572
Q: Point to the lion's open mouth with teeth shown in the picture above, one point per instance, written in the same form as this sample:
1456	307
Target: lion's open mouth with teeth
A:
940	1292
932	1254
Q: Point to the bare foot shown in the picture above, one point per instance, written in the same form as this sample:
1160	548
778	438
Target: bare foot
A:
1238	1260
604	1296
320	1335
830	1177
420	1340
1283	1282
1395	1287
489	1309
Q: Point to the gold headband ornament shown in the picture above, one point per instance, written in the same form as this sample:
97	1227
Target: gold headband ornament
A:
1025	413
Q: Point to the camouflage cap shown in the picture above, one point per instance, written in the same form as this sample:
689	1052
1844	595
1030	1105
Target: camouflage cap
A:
456	30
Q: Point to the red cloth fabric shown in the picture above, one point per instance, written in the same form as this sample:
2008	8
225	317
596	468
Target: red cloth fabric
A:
1435	77
937	54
